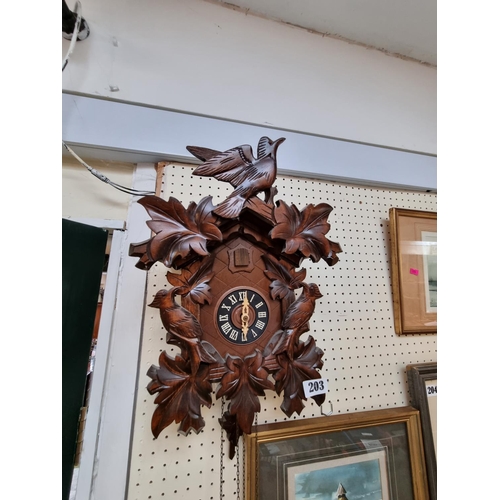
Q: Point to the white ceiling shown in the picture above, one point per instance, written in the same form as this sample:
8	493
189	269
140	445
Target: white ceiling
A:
403	27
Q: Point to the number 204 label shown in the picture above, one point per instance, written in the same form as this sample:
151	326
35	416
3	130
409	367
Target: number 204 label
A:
432	390
315	387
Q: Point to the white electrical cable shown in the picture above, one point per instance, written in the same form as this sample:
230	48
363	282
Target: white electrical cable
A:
93	171
78	8
103	178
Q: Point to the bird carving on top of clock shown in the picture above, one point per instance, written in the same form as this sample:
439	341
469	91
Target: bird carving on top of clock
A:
243	300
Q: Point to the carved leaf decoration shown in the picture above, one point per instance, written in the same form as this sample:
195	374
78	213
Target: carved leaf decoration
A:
211	353
179	231
229	423
331	259
293	373
304	231
193	281
283	281
243	383
180	394
195	352
277	344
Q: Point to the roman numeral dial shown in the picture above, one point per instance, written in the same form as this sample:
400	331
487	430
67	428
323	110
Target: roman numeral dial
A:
242	316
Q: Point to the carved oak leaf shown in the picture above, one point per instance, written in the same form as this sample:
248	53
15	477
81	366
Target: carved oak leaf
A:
180	394
303	231
331	259
243	383
193	281
283	281
292	373
179	231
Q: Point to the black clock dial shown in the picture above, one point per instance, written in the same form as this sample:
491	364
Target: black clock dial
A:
242	316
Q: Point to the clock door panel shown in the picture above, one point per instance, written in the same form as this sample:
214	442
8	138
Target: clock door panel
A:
238	264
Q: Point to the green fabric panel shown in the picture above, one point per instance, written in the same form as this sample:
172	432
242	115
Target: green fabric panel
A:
83	252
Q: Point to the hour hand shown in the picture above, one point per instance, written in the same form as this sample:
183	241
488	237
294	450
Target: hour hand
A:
245	316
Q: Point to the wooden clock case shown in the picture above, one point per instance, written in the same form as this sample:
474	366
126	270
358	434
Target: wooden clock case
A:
260	247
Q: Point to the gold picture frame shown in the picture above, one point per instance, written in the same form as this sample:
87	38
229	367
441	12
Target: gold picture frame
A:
308	458
422	386
414	270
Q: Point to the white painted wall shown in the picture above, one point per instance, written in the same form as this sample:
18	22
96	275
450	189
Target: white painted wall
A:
85	196
197	57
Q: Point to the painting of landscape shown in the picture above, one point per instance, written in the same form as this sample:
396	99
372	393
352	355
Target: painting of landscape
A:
430	270
363	477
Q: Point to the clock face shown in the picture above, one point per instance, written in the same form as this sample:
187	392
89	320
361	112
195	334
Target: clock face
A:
242	316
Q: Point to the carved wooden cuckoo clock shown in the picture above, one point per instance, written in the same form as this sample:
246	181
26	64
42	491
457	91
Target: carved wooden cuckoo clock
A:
235	270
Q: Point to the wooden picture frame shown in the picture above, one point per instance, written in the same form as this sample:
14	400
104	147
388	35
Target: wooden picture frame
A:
414	270
307	458
422	385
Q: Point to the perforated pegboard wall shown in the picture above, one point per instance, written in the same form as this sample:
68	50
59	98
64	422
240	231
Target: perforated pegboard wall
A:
364	360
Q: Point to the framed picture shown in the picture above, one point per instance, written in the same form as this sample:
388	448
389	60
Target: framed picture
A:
370	455
414	270
422	385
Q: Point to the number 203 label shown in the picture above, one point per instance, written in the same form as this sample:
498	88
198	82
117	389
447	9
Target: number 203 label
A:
315	387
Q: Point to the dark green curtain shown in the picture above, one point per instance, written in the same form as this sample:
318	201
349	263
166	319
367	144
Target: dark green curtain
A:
83	253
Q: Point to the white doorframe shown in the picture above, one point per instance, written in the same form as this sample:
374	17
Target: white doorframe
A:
92	424
107	438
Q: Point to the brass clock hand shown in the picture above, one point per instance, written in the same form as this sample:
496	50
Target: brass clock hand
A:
245	316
